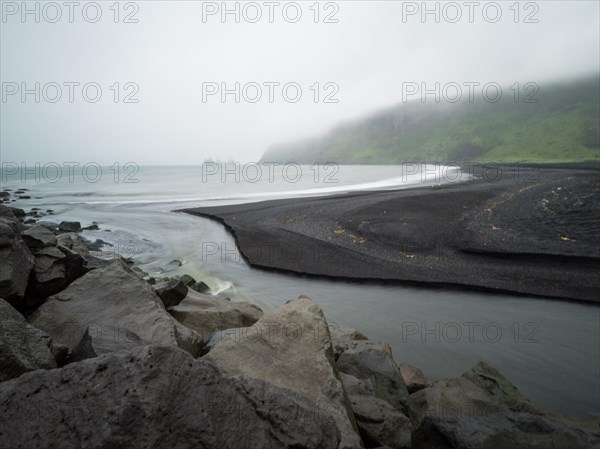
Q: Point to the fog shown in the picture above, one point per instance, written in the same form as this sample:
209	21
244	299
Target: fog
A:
172	60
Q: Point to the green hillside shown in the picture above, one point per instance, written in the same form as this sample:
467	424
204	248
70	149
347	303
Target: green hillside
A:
562	127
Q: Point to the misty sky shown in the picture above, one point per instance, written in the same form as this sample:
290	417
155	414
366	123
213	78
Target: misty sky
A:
171	51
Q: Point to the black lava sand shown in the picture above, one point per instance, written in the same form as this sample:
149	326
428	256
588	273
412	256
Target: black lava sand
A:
533	232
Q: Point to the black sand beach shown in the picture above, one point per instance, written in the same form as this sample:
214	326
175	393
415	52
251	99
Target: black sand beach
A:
529	230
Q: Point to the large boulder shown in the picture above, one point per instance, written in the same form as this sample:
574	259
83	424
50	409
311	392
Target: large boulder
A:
483	410
156	397
291	348
22	347
17	261
69	226
378	421
54	269
208	314
384	414
38	237
118	308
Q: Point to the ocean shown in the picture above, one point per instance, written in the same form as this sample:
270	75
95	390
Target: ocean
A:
548	348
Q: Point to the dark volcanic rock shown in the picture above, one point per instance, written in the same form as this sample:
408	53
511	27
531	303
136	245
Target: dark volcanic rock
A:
207	314
69	226
483	410
290	347
22	347
38	237
376	389
171	293
156	397
114	304
200	287
413	377
16	258
498	431
187	280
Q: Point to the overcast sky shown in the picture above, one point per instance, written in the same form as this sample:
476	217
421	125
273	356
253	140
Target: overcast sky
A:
366	54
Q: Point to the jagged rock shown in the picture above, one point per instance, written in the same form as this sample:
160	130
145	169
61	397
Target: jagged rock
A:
54	269
74	242
114	304
377	391
22	347
200	287
171	293
16	258
187	280
156	397
291	348
413	377
370	360
499	431
50	275
207	315
83	350
483	410
69	226
50	225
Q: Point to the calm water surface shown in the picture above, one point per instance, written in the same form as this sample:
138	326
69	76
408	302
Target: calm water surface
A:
549	349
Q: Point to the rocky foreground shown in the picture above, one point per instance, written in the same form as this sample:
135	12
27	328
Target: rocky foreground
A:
96	354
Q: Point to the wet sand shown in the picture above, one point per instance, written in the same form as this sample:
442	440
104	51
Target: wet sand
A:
533	231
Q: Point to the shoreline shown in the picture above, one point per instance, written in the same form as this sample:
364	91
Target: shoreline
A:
450	236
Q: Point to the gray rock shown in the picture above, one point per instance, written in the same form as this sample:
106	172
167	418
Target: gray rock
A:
17	261
187	280
156	397
380	423
370	360
22	347
413	377
171	293
499	431
377	391
235	334
200	287
206	314
483	410
291	348
114	304
69	226
54	269
51	225
74	242
346	333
